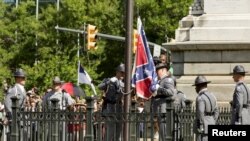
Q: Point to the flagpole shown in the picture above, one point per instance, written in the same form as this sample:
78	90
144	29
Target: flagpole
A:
128	62
78	57
78	68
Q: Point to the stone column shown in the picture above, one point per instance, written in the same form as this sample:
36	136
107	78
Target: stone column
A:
197	8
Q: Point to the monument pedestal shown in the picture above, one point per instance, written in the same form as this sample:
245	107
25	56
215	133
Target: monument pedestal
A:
214	27
211	45
213	59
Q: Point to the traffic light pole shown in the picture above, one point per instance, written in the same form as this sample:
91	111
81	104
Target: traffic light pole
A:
105	36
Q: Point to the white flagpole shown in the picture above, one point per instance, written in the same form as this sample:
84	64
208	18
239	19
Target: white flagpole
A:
78	68
78	57
93	88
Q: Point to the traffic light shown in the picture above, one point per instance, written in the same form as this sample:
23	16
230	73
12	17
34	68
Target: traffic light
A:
135	40
92	36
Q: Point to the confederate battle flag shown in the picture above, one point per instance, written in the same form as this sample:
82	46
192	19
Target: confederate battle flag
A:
144	77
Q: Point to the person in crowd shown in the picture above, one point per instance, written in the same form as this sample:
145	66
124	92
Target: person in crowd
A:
165	59
241	98
113	88
141	109
6	85
164	90
2	120
76	128
207	111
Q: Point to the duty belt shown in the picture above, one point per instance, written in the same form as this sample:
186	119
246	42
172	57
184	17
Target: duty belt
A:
209	113
246	105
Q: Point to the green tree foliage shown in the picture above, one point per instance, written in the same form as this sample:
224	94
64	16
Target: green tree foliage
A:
43	52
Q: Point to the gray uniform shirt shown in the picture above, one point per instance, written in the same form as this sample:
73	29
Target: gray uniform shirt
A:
179	100
165	90
16	90
240	104
207	111
63	97
113	94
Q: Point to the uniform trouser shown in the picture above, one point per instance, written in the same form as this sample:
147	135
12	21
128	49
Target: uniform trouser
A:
201	137
162	127
113	131
113	124
177	128
8	129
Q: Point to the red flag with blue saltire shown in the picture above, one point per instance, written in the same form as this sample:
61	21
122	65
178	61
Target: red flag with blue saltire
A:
144	77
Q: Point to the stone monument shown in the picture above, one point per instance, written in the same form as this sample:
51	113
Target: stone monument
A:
210	41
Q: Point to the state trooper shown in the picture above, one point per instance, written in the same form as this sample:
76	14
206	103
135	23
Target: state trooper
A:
19	91
164	89
179	105
113	88
206	108
179	98
241	98
64	101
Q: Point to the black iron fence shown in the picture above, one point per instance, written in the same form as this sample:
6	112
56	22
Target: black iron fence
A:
79	124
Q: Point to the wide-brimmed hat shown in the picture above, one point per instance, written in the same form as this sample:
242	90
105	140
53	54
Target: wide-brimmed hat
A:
200	80
160	66
121	68
57	80
239	69
19	73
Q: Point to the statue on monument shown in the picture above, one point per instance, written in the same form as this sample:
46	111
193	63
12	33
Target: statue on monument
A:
197	7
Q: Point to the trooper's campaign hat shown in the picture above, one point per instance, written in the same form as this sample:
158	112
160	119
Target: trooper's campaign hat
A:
239	69
19	73
160	66
200	80
121	68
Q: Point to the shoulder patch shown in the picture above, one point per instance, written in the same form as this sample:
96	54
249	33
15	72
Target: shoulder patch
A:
238	88
199	98
11	90
170	80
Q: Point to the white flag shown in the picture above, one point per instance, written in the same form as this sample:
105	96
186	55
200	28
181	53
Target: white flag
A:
84	78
